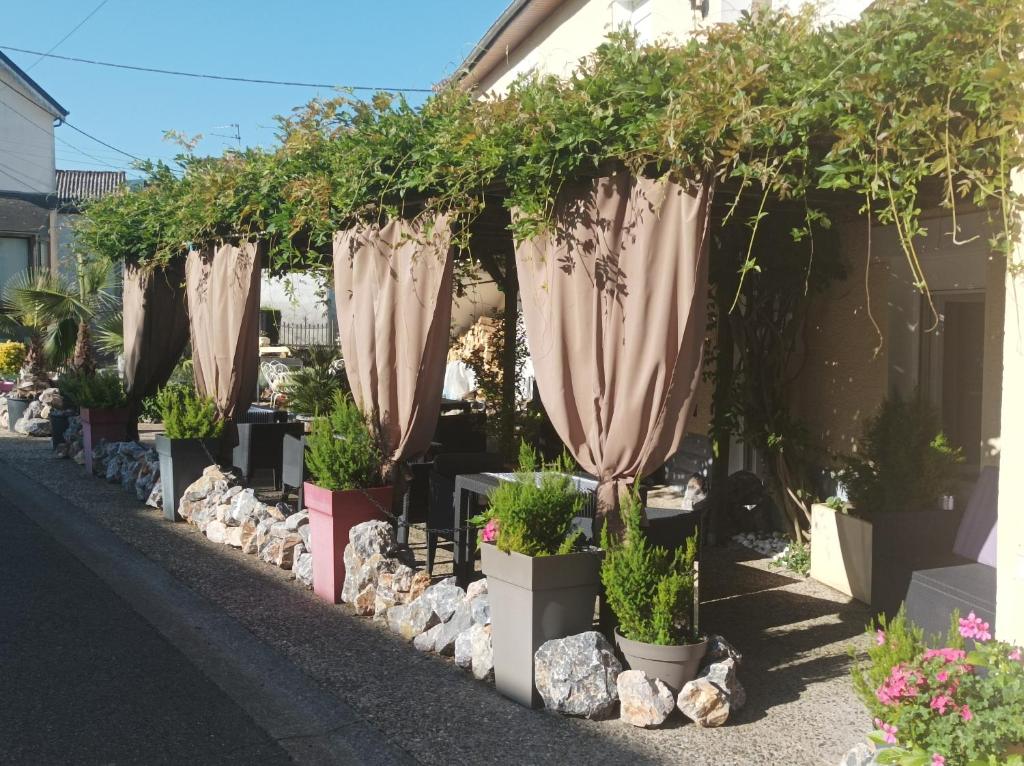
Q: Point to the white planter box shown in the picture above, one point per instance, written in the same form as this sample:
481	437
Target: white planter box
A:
841	552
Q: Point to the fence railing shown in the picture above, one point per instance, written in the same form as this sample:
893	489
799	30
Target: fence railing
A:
304	334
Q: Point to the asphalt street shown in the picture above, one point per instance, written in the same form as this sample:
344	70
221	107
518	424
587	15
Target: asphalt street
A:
85	680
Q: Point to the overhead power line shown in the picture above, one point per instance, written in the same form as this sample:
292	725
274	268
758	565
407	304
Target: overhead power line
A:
78	26
104	143
204	76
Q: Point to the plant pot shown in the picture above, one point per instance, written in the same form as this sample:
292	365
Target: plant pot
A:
59	422
15	411
533	600
332	514
98	425
673	665
182	462
873	559
270	325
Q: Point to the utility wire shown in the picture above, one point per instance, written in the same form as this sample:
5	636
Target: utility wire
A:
65	37
101	141
204	76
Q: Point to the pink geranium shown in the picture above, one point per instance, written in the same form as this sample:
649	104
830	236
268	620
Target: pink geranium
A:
940	702
938	760
974	627
879	637
947	654
1014	655
490	532
965	713
899	685
888	731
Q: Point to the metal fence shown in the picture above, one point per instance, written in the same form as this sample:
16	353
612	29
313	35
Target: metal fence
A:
304	334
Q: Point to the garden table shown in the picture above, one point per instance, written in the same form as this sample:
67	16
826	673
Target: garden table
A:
469	488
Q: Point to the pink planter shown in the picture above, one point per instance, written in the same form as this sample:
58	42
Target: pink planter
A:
99	424
332	514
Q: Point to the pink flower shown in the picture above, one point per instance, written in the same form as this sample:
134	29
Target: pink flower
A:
1014	655
938	760
974	627
490	533
947	654
888	730
940	702
942	676
965	713
898	685
879	637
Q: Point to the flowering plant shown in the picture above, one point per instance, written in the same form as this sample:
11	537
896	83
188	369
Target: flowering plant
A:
943	706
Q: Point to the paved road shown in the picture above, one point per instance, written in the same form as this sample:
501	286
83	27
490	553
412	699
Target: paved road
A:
84	679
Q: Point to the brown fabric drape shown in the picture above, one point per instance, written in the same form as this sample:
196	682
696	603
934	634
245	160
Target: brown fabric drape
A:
614	302
393	289
155	326
223	286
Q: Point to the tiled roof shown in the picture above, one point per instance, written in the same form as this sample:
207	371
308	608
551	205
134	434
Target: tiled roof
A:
78	185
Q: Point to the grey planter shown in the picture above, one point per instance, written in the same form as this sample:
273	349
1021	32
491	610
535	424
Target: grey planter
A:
59	422
15	411
182	461
672	665
534	600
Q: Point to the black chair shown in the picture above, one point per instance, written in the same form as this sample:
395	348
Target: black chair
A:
441	506
293	466
261	446
461	432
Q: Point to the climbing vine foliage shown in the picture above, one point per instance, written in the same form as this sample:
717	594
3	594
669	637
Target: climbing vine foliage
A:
915	97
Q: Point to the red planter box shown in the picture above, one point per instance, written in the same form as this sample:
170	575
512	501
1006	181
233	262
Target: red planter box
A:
332	514
100	424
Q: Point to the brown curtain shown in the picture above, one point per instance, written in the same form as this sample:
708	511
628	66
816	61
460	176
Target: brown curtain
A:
614	302
155	326
223	286
393	288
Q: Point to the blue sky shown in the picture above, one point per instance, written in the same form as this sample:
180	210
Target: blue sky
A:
392	43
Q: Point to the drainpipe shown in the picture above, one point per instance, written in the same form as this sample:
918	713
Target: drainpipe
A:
54	242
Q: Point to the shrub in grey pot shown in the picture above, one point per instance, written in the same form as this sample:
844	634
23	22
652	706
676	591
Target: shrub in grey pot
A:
192	429
651	592
539	586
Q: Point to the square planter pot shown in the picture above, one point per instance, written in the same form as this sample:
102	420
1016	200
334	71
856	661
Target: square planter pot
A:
873	559
59	422
533	600
15	411
182	462
332	514
112	425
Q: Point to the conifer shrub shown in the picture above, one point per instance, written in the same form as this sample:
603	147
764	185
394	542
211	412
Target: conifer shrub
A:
649	589
187	415
342	452
98	391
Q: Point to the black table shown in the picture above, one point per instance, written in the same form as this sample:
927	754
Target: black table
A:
469	488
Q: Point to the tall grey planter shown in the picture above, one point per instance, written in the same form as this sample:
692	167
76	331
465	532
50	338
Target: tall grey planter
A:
533	600
182	461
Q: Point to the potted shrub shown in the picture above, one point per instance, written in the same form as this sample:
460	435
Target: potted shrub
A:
345	464
12	357
650	590
192	428
948	704
104	410
893	523
541	587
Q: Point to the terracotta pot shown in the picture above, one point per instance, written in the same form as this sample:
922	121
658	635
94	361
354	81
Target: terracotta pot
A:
332	514
112	425
533	600
672	665
182	462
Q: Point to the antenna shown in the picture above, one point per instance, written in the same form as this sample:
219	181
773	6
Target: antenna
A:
235	135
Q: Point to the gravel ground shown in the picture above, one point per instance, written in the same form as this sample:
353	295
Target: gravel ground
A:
793	632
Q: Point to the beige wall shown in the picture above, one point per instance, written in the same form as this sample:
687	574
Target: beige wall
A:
26	141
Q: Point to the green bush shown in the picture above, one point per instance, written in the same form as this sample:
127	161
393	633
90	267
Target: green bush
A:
533	515
12	357
342	452
905	463
649	589
100	391
186	415
310	390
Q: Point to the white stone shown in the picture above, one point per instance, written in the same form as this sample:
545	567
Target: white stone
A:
643	701
576	675
216	531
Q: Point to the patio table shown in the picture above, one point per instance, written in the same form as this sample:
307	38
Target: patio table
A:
469	488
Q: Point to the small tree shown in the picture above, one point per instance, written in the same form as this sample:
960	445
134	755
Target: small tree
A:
186	415
342	452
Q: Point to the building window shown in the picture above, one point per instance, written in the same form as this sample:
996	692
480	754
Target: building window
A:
15	257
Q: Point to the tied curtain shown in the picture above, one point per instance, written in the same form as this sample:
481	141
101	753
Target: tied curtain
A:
156	327
223	285
393	289
614	301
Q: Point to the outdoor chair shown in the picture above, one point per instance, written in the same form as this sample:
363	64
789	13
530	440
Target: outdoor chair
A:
293	465
441	505
461	432
261	446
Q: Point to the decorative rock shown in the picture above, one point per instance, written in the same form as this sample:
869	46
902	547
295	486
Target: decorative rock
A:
372	537
643	701
409	620
420	582
723	675
306	532
243	505
280	551
480	608
476	588
459	622
232	537
444	598
720	649
279	529
703	703
296	520
51	398
215	531
576	675
277	513
156	497
205	484
859	755
34	410
365	602
33	427
426	641
303	569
